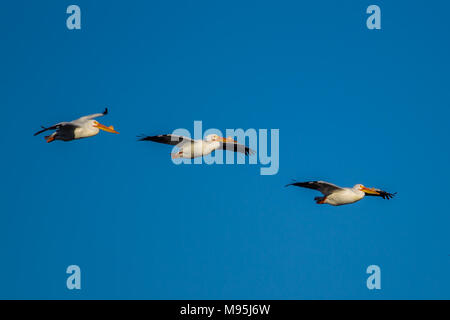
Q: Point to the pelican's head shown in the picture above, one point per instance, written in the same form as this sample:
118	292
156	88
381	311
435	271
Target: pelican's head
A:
215	137
360	187
100	126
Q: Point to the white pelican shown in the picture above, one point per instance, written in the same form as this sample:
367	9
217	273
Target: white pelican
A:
190	148
81	128
337	196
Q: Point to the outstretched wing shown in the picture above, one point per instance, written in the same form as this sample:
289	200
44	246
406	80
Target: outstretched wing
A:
237	147
381	193
93	116
325	187
170	139
54	127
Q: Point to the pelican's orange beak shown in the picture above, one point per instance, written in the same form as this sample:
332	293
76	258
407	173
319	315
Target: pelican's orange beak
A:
369	190
105	128
229	139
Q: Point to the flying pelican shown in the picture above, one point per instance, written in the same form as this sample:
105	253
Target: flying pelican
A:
337	196
81	128
190	148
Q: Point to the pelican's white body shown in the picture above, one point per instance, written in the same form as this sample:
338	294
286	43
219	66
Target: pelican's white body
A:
76	130
344	196
197	148
85	129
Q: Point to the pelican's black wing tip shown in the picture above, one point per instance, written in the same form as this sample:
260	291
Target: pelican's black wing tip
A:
387	195
43	130
293	183
390	195
142	137
249	152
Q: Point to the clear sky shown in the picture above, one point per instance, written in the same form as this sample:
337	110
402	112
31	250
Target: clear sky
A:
352	105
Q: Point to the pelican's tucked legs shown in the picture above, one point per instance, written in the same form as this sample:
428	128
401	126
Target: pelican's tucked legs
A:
179	154
320	200
50	138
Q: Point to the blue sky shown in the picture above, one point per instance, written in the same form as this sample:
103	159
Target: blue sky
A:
352	106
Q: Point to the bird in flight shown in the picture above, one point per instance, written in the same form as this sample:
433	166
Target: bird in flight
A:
337	196
83	127
190	148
